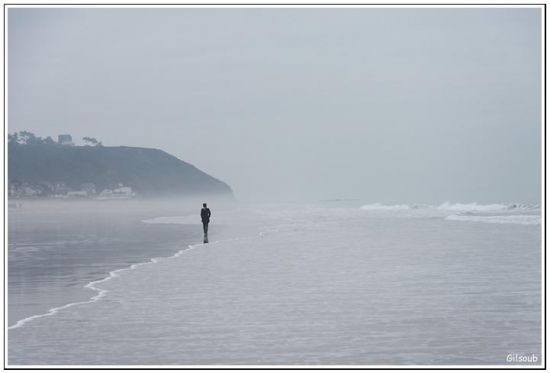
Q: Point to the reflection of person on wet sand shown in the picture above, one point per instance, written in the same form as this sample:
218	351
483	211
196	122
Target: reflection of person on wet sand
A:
205	216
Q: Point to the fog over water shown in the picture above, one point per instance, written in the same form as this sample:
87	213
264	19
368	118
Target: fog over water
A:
386	164
384	105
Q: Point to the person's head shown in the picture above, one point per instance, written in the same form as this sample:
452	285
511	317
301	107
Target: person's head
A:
204	205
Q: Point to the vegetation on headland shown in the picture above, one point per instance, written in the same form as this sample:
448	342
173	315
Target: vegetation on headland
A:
42	167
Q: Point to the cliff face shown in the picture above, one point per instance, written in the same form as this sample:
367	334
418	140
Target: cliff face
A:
150	172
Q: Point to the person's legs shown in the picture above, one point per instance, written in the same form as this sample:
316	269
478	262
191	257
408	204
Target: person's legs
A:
205	228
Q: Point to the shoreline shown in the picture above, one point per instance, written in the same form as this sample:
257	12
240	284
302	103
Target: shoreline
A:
101	292
56	250
321	291
110	276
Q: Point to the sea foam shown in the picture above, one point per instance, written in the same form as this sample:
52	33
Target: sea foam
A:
92	286
472	207
454	207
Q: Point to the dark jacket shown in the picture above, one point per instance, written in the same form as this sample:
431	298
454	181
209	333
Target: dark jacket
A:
205	215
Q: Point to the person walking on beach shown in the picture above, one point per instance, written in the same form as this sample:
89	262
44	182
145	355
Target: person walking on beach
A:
205	216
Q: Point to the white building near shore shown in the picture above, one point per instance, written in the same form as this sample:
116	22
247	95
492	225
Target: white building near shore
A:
122	192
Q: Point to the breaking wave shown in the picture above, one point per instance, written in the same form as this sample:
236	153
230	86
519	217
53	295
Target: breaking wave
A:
454	207
472	207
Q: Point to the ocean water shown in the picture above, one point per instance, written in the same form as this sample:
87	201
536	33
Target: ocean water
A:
306	285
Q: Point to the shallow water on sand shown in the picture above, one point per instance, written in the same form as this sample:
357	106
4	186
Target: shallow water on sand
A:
308	285
57	247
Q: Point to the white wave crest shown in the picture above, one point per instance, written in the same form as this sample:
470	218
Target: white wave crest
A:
379	206
523	206
498	219
471	207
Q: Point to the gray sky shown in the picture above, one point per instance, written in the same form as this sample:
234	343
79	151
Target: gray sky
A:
386	105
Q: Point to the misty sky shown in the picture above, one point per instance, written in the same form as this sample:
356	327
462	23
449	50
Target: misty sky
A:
392	105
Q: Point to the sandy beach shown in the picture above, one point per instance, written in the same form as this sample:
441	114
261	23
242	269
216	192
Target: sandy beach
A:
310	285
